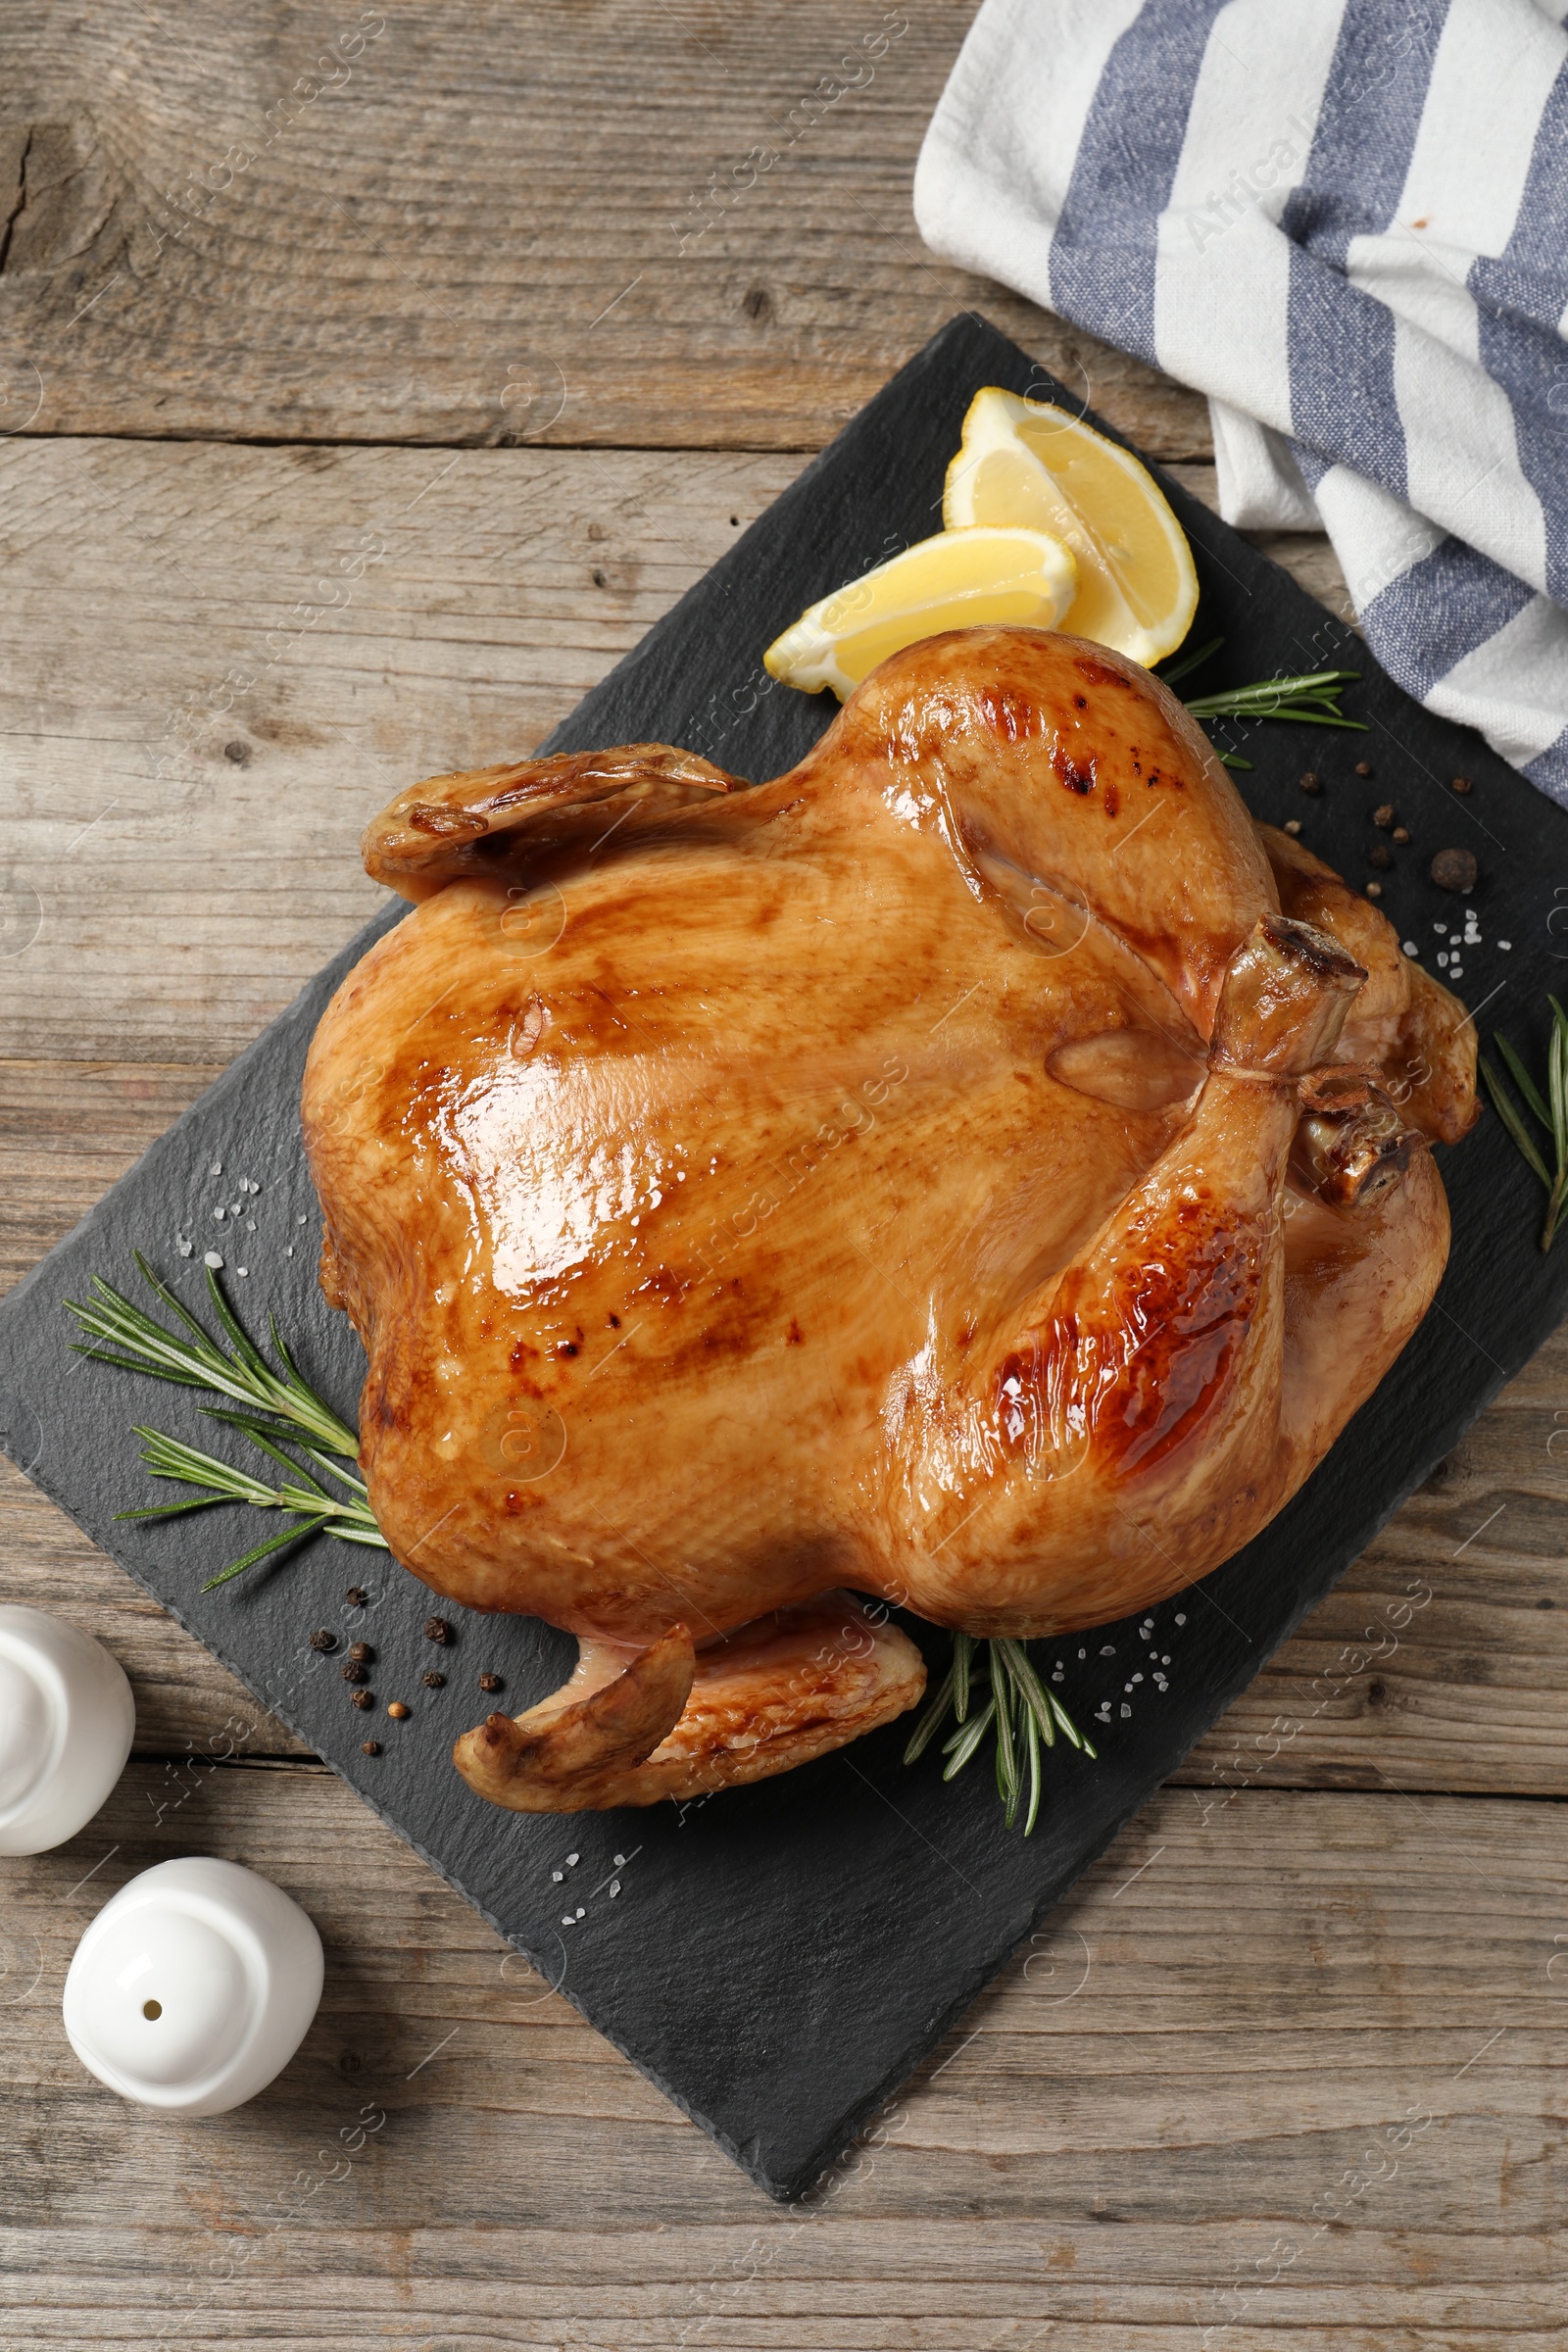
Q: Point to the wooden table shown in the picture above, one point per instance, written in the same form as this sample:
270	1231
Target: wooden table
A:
535	308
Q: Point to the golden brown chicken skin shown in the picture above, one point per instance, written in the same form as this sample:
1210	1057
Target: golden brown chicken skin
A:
976	1169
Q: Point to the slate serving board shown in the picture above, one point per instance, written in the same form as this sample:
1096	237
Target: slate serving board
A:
778	1959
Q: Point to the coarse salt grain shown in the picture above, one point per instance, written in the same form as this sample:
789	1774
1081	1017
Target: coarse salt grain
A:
214	1260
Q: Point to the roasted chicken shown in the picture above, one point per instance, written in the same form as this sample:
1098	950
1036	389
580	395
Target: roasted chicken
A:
980	1171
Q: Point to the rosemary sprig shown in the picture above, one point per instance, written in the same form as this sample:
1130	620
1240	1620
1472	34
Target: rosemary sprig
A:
1311	697
197	1363
1023	1712
1552	1113
276	1410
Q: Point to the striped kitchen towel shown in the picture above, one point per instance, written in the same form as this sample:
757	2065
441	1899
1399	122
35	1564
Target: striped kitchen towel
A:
1346	221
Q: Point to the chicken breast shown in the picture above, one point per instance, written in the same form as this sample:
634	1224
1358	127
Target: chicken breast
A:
978	1170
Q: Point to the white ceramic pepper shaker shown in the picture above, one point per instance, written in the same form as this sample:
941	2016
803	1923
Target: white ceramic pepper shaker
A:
193	1986
65	1721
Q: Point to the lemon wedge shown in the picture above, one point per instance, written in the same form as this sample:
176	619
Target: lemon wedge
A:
957	580
1024	463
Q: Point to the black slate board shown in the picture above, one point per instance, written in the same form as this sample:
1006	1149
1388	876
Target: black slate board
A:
779	1958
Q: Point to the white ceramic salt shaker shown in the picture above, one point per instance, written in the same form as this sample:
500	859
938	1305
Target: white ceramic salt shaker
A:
193	1986
65	1721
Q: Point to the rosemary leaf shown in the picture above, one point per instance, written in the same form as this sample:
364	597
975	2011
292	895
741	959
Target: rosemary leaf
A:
171	1510
1510	1118
277	1543
1557	1079
920	1737
1080	1740
1190	661
1007	1755
1032	1691
963	1742
250	1355
1032	1738
962	1659
1526	1085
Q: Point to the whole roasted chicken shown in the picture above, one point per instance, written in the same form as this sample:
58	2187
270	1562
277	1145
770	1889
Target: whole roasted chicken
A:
979	1169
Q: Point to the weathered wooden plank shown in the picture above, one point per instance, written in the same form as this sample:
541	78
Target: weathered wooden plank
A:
627	223
1293	2074
222	660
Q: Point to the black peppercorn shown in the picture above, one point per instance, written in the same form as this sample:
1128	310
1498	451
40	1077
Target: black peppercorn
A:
355	1596
355	1673
364	1698
1363	767
360	1651
1311	782
1454	869
1384	816
324	1640
1380	855
1461	784
370	1747
434	1681
436	1628
491	1681
1401	834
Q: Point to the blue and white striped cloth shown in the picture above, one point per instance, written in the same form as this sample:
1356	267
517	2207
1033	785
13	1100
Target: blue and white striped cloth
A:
1346	221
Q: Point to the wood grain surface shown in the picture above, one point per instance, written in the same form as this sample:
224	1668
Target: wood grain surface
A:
653	224
1286	2071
